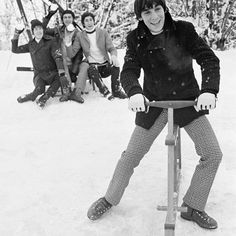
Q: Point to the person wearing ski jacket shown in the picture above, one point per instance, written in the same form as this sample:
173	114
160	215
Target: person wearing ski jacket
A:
76	68
97	45
165	50
47	63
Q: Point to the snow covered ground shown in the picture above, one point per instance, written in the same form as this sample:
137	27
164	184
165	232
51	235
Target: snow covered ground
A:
55	162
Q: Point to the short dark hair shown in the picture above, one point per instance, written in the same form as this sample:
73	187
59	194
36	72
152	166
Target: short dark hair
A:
140	5
68	12
35	23
86	14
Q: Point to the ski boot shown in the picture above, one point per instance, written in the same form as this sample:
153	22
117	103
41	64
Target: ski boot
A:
106	93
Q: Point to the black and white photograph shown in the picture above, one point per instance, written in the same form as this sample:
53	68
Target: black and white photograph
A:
117	117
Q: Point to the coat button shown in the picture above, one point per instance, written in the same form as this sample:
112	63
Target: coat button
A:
182	84
150	51
174	93
169	79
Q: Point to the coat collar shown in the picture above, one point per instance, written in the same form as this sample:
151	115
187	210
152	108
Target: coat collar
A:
98	32
45	37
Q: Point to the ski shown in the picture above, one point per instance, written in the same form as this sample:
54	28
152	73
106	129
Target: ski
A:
24	18
24	68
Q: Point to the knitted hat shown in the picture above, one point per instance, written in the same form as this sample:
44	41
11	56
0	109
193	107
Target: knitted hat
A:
35	23
140	5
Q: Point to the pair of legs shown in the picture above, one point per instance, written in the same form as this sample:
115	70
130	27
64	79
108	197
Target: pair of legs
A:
80	83
206	145
98	71
81	78
40	84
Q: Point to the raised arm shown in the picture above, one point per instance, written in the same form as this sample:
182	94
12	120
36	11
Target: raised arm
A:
14	42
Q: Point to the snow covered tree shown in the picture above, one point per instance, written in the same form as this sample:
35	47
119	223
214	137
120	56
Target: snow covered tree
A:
215	19
222	23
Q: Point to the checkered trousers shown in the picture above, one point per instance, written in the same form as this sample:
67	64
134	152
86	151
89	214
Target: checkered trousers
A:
206	145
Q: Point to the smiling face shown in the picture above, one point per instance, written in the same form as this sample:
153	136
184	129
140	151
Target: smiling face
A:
38	32
67	19
89	23
154	18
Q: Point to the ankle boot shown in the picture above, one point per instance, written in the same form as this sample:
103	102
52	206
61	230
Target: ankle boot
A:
106	93
98	208
30	96
66	95
200	217
26	98
76	96
41	102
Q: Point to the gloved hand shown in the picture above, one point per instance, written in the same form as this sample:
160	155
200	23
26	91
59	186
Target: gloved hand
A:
19	28
64	81
53	8
206	101
70	27
115	61
137	102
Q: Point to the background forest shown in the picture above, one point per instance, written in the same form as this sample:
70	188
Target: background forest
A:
215	20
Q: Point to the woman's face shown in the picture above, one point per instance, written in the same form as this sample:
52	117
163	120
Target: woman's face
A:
154	18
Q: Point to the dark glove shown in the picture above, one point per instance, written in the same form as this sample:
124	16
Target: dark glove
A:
63	80
17	31
52	10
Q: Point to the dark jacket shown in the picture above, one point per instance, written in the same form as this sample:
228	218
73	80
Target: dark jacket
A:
166	60
59	33
46	55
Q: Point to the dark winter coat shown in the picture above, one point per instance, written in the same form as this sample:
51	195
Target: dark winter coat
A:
46	56
166	60
59	33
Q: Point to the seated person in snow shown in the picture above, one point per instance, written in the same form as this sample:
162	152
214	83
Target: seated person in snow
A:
76	69
47	62
96	44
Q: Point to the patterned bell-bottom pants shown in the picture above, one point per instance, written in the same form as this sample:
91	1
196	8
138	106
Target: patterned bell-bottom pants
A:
206	145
